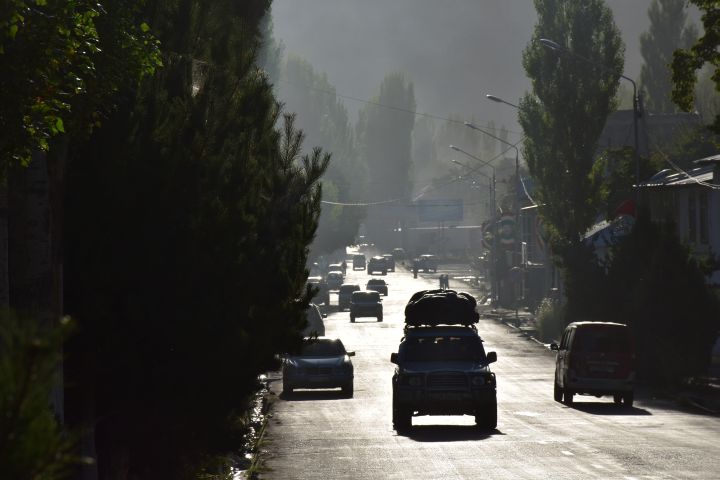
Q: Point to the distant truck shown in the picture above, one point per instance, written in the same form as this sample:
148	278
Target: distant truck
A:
441	365
358	262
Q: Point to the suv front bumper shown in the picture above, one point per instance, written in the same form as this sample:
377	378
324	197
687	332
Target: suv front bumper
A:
444	402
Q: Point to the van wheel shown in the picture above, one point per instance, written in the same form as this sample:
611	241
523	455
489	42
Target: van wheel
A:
617	398
628	399
380	318
568	397
352	318
557	393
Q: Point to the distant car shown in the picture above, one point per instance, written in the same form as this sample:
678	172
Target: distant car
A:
345	293
334	280
335	267
323	294
366	304
426	263
377	264
315	326
358	262
389	261
399	254
595	358
377	285
322	363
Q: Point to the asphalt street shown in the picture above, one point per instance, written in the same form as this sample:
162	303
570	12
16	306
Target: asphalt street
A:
319	434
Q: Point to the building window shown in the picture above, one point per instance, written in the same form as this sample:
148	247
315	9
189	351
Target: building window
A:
692	218
703	220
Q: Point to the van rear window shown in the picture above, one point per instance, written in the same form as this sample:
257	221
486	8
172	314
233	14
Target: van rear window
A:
602	339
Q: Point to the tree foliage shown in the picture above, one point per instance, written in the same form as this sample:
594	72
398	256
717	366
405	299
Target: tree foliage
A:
385	138
565	113
687	62
32	443
189	217
62	64
655	286
668	31
324	119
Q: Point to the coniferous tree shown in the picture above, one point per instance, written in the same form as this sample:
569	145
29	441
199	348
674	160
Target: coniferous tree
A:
189	219
668	31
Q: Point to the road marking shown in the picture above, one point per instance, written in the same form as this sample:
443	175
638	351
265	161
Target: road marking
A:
567	452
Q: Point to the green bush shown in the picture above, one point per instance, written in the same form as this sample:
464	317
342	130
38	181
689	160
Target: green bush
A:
32	443
550	320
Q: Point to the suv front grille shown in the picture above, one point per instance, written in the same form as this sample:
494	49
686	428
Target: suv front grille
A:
447	381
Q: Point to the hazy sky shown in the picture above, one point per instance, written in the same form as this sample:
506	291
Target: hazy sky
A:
455	51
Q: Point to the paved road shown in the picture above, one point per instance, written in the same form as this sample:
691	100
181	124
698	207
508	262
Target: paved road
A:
321	435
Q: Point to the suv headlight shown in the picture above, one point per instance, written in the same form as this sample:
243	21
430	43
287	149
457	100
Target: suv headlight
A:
484	379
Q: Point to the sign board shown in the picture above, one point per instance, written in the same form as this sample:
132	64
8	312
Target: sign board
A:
439	210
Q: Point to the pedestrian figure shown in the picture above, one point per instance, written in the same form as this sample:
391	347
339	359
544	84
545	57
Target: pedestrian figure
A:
442	281
446	281
344	267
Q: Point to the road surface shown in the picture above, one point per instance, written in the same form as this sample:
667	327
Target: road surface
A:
322	435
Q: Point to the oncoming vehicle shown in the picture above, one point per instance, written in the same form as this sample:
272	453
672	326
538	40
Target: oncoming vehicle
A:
595	358
399	254
345	293
322	363
358	262
441	364
427	263
323	294
366	304
378	285
334	280
389	261
377	264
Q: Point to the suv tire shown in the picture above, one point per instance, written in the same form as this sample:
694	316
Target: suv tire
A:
352	318
287	389
487	418
567	396
628	399
557	393
348	390
401	418
380	318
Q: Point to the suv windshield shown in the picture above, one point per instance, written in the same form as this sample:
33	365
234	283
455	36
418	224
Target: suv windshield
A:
443	348
323	348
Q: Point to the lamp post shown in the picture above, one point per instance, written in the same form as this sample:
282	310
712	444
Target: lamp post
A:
517	253
500	100
636	101
494	284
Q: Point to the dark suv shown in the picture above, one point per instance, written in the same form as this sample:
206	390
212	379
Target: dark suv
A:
377	264
441	365
366	304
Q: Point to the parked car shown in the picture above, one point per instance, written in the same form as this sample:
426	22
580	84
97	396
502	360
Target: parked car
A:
378	285
345	293
322	363
334	280
366	304
426	263
315	325
595	358
377	264
358	262
389	261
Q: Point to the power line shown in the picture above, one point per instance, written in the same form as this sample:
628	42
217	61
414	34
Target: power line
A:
383	105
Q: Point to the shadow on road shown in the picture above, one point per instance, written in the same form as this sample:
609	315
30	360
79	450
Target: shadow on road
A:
310	395
447	433
610	408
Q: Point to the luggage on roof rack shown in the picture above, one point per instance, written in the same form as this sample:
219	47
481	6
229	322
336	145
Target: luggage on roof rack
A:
441	307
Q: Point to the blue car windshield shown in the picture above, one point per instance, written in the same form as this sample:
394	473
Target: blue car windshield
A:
323	348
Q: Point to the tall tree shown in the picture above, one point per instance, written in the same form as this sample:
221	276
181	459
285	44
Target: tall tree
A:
668	31
188	222
324	119
687	62
565	113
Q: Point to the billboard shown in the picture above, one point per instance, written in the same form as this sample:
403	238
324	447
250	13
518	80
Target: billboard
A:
440	210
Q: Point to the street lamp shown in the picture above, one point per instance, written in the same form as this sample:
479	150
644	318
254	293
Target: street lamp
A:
636	101
484	163
474	171
500	100
517	254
